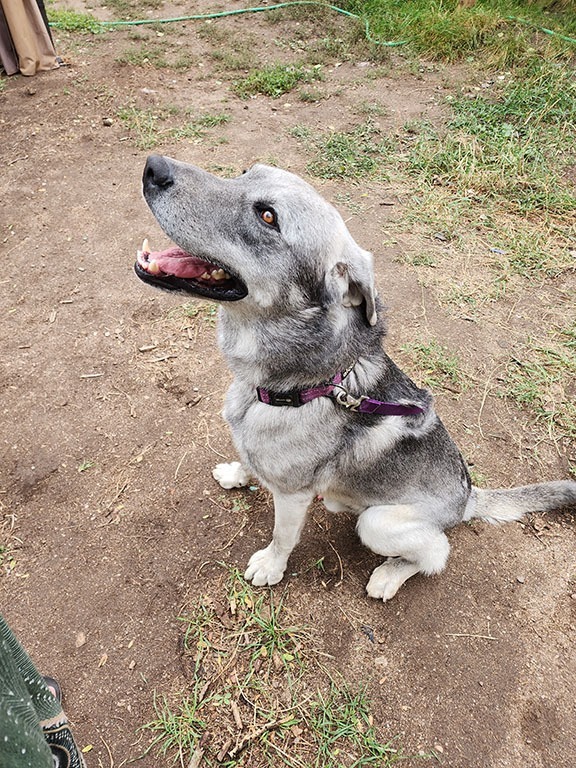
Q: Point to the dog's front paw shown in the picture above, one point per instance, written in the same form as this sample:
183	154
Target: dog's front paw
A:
231	475
265	567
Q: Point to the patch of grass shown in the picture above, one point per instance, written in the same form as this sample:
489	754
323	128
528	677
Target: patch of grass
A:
445	29
275	80
436	366
196	129
157	55
510	145
503	245
344	730
143	124
345	199
544	380
371	109
311	96
207	310
354	154
253	696
69	20
532	252
150	130
132	9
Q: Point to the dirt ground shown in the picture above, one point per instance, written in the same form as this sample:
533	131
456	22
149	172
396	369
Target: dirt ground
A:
111	399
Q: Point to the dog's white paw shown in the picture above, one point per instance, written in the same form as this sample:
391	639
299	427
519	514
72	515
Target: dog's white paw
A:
387	579
265	567
231	475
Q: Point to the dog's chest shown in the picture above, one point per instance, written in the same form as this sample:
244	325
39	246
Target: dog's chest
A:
283	446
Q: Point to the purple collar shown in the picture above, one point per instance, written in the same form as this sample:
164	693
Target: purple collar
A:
363	404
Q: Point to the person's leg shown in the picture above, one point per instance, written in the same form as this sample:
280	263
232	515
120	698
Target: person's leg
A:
33	727
22	742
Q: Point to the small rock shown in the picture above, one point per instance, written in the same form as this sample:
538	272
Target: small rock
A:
439	748
80	640
520	579
441	236
107	121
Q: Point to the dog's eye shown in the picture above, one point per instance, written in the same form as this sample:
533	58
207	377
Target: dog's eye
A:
267	214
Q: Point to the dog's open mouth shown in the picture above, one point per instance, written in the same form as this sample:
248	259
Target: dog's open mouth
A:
177	270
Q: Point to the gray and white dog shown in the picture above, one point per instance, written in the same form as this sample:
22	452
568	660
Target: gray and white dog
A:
316	408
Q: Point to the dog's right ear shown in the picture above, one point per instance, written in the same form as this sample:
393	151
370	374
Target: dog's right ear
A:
354	282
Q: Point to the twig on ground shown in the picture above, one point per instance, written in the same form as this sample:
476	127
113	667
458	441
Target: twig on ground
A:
233	539
339	563
467	634
196	757
236	715
161	359
179	465
243	743
109	752
222	754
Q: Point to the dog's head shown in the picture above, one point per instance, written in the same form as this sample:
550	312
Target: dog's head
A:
266	238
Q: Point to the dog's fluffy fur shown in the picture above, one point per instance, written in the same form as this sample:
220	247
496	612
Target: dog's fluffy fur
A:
299	304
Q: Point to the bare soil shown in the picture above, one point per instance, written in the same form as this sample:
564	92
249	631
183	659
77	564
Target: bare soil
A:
111	399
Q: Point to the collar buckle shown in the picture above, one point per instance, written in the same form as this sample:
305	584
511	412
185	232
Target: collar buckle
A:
291	398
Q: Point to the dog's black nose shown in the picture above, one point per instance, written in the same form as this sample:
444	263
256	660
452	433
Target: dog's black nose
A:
157	172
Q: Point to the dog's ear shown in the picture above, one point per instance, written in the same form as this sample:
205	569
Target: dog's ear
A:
354	278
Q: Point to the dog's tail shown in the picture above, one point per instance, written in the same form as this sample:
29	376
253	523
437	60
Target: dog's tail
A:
503	505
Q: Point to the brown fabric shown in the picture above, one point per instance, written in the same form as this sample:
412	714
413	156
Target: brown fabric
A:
8	55
29	35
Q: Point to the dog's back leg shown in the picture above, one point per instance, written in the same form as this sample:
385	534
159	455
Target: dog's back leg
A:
413	545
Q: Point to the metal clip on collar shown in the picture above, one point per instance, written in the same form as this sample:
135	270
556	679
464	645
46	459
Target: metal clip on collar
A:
345	399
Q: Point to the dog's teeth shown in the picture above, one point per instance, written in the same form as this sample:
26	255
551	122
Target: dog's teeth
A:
205	276
153	267
218	274
227	276
145	247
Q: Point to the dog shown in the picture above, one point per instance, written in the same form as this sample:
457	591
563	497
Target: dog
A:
316	408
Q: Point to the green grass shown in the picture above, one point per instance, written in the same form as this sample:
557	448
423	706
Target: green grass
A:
498	172
442	29
258	695
133	9
343	729
437	366
510	146
195	309
69	20
543	379
275	80
157	55
150	129
355	154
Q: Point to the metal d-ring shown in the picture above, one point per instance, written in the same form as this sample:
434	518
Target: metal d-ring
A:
347	400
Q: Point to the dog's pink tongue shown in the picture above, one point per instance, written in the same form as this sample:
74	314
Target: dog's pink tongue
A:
177	262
